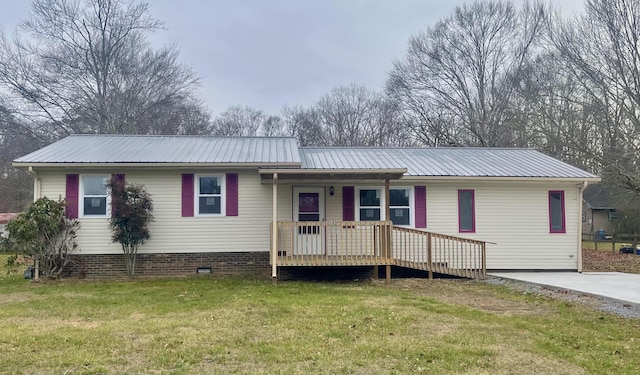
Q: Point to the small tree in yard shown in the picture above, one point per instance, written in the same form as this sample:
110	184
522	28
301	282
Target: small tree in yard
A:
131	214
44	233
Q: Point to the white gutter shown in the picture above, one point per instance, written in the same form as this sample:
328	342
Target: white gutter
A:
274	229
158	165
37	184
581	189
314	171
500	178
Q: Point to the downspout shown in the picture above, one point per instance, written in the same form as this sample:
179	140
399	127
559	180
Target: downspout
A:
581	189
274	229
37	184
37	192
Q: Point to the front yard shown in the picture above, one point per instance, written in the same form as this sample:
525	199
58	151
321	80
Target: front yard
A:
232	326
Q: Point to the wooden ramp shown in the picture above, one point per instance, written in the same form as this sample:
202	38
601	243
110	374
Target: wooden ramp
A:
380	243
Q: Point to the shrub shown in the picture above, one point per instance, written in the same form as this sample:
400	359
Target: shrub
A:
131	213
44	233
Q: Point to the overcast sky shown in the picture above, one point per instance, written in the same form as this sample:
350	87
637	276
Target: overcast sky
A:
269	53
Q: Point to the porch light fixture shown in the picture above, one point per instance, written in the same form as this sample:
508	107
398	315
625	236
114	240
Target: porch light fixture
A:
331	191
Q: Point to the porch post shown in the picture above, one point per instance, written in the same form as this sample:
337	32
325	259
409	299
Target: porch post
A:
274	229
387	215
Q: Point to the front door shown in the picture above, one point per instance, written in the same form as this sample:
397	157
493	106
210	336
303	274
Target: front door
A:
308	205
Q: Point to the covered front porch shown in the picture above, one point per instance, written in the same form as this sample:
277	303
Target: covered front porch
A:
309	239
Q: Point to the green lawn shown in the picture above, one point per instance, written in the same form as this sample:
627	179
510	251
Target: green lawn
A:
232	326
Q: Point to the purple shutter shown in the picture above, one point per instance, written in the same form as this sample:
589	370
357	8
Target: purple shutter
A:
116	179
421	206
348	203
232	194
187	195
71	196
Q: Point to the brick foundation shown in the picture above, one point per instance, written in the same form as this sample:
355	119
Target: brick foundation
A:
172	264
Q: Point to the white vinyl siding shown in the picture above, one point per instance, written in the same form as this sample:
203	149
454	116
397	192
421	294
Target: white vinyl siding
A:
170	232
512	216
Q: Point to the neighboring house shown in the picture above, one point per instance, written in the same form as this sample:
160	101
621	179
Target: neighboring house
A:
5	218
598	212
215	200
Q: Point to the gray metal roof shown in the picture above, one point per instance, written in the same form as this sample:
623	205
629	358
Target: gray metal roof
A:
113	149
441	161
283	152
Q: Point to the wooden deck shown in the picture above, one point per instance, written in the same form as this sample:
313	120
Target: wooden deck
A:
380	243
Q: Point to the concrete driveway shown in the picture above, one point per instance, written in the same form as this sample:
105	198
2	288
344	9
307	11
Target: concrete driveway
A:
624	287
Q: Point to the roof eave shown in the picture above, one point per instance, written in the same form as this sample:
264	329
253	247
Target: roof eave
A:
333	174
505	178
25	165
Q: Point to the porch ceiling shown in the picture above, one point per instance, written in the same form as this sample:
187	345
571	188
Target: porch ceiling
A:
290	174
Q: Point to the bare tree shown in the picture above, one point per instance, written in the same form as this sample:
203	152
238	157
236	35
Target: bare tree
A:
601	53
456	83
239	121
86	66
348	116
16	186
305	125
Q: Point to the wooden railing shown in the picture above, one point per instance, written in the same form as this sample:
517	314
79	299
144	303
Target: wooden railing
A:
439	253
341	243
361	243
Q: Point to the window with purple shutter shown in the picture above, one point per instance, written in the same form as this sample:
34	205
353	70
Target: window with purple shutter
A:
466	211
421	206
232	194
71	195
187	194
557	222
348	203
117	179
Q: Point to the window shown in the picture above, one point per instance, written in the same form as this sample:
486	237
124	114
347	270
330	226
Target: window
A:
466	211
613	215
556	212
209	192
95	198
369	203
584	217
399	206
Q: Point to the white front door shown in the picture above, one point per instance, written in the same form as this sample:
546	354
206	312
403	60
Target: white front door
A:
308	205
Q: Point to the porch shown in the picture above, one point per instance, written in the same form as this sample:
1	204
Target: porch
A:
375	243
366	237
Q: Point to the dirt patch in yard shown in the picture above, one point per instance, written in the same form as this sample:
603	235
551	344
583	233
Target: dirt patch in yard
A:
609	261
457	292
6	299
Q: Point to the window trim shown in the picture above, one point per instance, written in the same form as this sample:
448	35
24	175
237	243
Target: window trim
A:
357	199
563	229
82	196
383	214
411	206
613	215
473	211
223	194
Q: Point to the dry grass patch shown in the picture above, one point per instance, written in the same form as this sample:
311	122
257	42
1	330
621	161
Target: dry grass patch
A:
473	294
227	326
